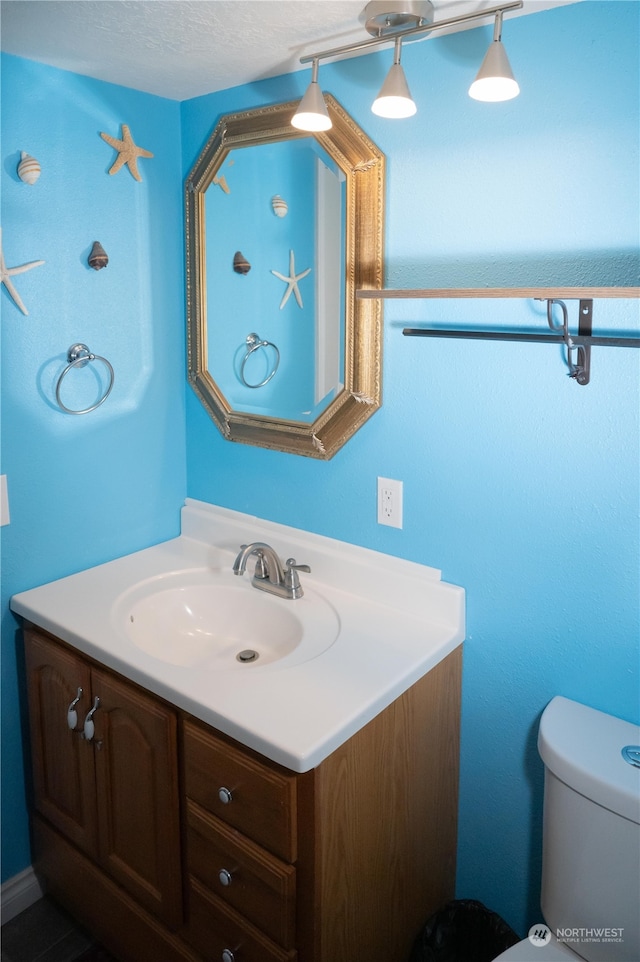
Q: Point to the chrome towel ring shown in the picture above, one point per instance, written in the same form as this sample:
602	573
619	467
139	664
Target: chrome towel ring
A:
79	355
254	343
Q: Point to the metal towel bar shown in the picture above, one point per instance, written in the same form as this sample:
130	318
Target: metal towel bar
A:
582	342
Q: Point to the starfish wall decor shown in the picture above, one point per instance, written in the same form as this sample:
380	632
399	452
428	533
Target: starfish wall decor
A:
291	281
221	181
128	152
7	272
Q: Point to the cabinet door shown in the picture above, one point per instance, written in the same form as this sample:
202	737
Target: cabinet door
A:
63	763
137	795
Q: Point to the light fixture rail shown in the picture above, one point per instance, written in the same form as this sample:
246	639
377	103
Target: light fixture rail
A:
410	33
581	342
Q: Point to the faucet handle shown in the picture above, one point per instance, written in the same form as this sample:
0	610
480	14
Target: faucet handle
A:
291	578
261	569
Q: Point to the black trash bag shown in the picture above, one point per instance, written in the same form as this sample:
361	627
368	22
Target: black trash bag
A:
463	931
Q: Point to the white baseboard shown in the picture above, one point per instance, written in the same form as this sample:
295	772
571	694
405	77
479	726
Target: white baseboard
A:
18	893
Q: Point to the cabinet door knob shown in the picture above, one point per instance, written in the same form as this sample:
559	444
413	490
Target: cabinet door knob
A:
89	728
225	796
225	877
228	956
72	714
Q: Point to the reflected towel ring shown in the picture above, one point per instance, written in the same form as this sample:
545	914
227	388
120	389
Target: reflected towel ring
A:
78	355
254	343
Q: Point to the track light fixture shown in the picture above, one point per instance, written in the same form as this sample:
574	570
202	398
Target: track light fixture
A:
397	20
394	99
495	81
312	113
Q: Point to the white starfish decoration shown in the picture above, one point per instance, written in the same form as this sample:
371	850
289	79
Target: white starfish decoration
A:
292	281
7	272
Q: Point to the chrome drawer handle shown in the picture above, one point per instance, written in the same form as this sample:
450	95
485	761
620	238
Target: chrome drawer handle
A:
72	714
228	956
89	728
224	877
225	796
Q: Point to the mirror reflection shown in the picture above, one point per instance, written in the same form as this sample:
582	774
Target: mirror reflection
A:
275	217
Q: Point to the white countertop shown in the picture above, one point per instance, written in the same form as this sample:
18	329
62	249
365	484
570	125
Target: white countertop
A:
397	621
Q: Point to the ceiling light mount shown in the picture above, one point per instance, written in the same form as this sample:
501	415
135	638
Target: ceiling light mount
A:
384	17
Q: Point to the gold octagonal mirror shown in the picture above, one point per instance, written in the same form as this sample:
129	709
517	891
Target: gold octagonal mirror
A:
282	228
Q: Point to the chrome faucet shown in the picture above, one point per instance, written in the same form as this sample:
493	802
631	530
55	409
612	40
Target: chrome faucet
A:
269	574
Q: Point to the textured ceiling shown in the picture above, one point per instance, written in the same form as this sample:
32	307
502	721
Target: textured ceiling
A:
184	48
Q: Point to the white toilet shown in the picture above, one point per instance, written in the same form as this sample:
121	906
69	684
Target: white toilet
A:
591	839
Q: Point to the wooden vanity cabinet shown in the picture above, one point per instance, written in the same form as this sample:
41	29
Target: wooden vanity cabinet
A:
115	797
341	863
364	844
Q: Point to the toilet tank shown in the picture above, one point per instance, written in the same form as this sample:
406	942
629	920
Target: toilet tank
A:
591	832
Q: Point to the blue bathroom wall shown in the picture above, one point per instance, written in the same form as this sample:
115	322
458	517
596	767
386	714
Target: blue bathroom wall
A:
521	485
84	489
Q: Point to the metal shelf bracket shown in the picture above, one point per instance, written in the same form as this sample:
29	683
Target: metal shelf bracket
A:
578	346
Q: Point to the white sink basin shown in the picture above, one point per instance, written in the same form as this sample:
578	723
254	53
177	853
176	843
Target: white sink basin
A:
173	618
223	623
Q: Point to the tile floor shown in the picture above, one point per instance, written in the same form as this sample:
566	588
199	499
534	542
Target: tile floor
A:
46	933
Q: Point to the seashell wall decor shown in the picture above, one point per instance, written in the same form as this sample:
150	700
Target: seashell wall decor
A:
29	168
98	257
280	206
240	263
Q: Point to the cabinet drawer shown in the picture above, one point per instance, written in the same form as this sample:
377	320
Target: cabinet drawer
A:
253	797
215	927
243	875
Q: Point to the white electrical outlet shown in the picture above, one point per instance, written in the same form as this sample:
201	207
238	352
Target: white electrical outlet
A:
4	500
390	502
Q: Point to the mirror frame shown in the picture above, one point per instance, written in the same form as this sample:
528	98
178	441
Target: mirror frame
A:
363	165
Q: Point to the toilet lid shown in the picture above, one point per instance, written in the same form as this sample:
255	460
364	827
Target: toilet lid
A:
525	951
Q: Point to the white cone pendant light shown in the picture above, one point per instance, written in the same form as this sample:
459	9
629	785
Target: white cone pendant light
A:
394	99
312	113
495	81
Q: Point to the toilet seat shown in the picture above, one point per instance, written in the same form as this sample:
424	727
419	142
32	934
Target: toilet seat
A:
525	951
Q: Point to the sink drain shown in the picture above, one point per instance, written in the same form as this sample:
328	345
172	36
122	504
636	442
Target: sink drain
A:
247	655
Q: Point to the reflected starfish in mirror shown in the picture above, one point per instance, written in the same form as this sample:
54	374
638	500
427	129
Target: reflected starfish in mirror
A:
7	272
292	281
128	152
